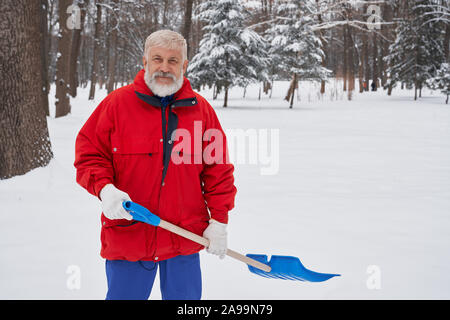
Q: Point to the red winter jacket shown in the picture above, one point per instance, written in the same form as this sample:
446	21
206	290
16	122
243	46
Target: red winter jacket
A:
123	143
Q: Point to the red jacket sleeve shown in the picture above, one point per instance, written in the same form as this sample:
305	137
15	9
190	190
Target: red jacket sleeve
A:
217	175
93	156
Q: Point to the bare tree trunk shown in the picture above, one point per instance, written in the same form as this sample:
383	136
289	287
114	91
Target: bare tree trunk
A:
396	13
187	23
271	89
360	58
112	62
197	34
85	60
62	65
360	71
416	80
50	42
360	77
345	68
387	34
225	100
323	42
291	89
23	130
155	12
294	81
366	62
44	54
121	67
165	10
375	61
112	52
95	67
267	86
350	64
75	50
390	88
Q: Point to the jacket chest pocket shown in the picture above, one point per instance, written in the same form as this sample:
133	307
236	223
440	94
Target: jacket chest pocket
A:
135	145
136	156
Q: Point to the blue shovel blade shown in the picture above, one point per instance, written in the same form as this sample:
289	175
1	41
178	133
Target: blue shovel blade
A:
141	213
288	268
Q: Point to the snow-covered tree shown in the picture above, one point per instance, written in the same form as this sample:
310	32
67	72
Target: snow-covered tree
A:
294	45
442	80
416	53
229	53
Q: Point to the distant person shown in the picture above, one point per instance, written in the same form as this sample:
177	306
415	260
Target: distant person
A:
127	149
374	86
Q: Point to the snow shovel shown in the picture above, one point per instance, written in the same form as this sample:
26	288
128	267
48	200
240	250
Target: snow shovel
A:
279	267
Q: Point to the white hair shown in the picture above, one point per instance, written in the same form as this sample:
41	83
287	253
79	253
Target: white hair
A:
167	39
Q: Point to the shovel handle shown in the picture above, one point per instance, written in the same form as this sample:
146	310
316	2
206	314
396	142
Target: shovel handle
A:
140	213
205	242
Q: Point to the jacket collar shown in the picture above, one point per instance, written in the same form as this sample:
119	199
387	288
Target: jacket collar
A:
185	97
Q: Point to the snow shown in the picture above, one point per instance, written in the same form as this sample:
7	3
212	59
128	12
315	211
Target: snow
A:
361	186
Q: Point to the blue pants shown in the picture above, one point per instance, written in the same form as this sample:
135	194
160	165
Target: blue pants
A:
180	278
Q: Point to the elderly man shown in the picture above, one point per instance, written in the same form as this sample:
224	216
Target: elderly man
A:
126	151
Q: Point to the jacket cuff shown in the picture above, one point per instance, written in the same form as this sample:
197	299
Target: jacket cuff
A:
99	186
221	217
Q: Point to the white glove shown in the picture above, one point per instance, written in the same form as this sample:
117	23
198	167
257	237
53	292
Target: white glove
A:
112	199
216	233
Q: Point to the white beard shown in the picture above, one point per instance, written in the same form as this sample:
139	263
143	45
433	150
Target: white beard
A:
163	90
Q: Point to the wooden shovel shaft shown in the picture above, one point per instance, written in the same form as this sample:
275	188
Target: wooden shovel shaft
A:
205	242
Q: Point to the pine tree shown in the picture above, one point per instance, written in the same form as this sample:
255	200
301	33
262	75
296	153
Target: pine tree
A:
294	45
416	53
442	80
229	53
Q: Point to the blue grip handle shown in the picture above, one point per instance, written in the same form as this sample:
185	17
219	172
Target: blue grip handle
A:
141	213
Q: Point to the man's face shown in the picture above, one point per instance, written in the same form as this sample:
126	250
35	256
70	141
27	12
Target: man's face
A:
166	61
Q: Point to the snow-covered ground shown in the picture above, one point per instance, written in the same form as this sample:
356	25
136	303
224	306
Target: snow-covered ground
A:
362	188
